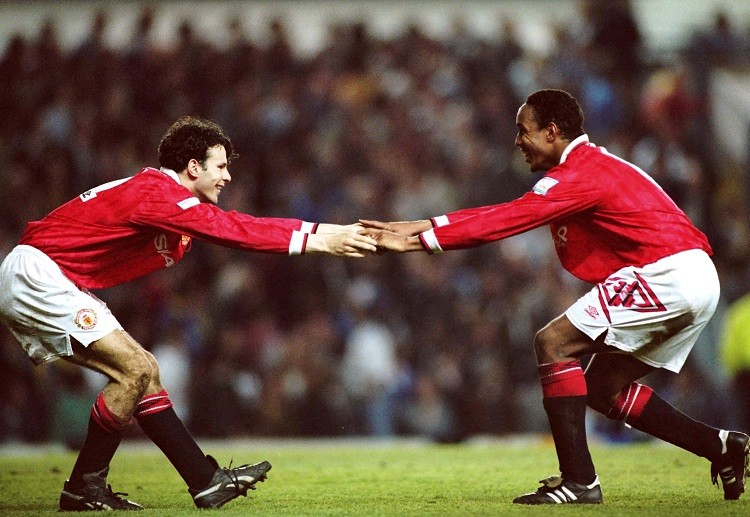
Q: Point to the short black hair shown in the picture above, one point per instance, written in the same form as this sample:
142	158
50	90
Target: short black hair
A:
560	107
191	138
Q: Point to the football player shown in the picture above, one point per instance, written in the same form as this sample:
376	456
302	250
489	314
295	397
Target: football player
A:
655	288
117	232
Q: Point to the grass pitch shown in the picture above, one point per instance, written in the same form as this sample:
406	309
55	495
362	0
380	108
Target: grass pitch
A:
346	478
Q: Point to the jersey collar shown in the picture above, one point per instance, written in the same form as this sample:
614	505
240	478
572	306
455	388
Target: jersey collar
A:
172	174
583	139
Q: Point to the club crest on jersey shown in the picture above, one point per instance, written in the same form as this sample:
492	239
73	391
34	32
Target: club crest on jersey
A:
86	319
543	185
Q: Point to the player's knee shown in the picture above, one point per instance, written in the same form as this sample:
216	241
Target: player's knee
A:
154	382
601	402
138	373
544	345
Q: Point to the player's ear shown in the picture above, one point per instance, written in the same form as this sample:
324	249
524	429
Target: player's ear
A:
552	132
193	168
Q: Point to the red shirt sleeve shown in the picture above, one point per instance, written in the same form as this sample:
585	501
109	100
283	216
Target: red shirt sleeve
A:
539	207
212	224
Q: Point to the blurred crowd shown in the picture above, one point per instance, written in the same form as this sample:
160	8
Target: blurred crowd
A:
407	127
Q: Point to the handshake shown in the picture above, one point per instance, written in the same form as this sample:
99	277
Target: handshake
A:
367	237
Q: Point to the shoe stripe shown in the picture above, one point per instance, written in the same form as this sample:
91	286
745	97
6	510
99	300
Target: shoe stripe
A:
723	435
727	475
240	482
213	489
73	496
81	499
556	497
571	495
250	480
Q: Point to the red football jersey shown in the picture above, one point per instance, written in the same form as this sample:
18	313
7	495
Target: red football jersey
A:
131	227
604	214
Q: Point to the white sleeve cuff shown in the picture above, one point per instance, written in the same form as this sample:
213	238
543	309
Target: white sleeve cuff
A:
440	220
307	227
297	242
428	239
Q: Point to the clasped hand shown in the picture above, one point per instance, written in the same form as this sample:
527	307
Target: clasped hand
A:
397	236
367	237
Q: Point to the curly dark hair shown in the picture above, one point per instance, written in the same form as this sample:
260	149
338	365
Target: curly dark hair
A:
560	107
191	137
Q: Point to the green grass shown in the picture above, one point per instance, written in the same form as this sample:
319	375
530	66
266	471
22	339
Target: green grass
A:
399	479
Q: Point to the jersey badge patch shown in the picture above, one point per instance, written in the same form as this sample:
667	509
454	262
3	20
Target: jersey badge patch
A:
543	185
86	319
187	203
89	194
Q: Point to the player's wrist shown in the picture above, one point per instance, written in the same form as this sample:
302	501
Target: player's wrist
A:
313	243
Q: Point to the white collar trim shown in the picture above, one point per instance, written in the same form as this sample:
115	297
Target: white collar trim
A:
583	139
172	174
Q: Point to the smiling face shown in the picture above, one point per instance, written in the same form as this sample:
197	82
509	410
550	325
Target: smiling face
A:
539	145
210	177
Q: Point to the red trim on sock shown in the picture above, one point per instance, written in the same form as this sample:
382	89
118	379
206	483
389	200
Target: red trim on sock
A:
562	379
106	419
630	402
151	404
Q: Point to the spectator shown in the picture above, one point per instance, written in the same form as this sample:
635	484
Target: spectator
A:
367	125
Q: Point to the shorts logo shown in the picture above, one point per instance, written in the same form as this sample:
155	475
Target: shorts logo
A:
636	296
591	311
86	319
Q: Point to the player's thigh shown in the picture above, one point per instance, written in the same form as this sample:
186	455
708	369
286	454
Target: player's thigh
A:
116	355
560	340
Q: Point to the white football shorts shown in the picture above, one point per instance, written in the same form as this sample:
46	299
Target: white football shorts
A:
655	312
43	308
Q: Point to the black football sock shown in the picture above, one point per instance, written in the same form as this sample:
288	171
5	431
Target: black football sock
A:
567	421
662	420
104	436
564	389
161	424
